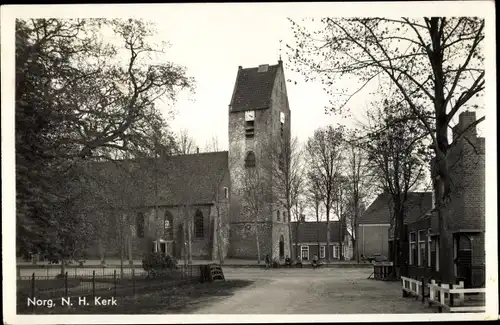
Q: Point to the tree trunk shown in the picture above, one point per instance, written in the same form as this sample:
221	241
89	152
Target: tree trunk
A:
328	234
101	252
297	251
258	245
317	227
290	240
190	253
129	246
220	245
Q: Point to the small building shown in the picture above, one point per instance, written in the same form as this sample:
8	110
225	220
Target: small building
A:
464	258
374	231
309	239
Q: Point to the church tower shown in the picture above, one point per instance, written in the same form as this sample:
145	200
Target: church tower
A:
259	130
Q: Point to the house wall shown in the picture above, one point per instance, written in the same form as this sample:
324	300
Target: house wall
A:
373	239
314	249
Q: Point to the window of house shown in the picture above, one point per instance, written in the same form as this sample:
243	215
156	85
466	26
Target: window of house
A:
421	247
429	252
278	215
139	225
322	252
304	252
250	159
433	253
413	249
198	224
335	252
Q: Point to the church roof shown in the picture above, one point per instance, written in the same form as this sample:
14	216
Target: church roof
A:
173	180
253	88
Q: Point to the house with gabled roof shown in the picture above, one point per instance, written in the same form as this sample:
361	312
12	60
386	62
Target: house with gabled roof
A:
309	239
374	232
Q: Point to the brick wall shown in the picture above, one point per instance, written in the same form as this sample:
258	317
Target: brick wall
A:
243	243
373	239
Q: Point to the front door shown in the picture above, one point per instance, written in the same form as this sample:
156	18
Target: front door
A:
463	261
163	248
282	248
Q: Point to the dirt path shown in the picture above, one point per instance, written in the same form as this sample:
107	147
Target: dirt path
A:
306	291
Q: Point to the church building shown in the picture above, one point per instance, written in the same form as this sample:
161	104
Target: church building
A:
143	205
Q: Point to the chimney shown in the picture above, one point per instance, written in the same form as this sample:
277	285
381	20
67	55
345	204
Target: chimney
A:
464	120
240	67
263	68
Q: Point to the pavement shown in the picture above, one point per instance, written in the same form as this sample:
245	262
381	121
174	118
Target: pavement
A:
308	291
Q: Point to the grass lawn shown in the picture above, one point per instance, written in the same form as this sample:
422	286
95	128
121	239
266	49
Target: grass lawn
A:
179	299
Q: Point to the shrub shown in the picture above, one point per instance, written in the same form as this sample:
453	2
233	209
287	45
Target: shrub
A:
156	263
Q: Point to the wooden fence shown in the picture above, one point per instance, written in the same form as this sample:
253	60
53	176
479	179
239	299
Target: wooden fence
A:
441	295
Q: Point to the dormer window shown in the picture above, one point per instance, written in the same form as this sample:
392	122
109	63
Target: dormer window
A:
249	124
250	159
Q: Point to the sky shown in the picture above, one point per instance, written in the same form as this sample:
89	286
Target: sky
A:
213	49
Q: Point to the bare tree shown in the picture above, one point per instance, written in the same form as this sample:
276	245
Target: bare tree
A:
325	159
212	145
287	173
314	198
397	161
185	143
358	186
434	63
256	194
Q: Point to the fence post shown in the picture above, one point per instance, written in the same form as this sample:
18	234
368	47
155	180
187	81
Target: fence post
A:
66	283
461	296
431	292
33	290
114	277
133	281
423	290
93	284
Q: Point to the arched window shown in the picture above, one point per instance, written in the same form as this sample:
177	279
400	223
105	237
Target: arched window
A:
250	159
168	223
278	215
284	216
198	224
139	225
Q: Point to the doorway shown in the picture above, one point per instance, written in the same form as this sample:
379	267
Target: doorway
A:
282	247
463	259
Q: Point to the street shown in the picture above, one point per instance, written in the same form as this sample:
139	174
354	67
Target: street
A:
308	291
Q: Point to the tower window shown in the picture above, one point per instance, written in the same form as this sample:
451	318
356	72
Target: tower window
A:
284	216
198	224
278	215
249	124
250	159
249	129
226	193
281	162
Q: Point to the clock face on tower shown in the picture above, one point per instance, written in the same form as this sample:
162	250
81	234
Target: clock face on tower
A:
249	116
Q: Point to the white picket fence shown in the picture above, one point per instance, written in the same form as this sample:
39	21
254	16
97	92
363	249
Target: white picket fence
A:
448	299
